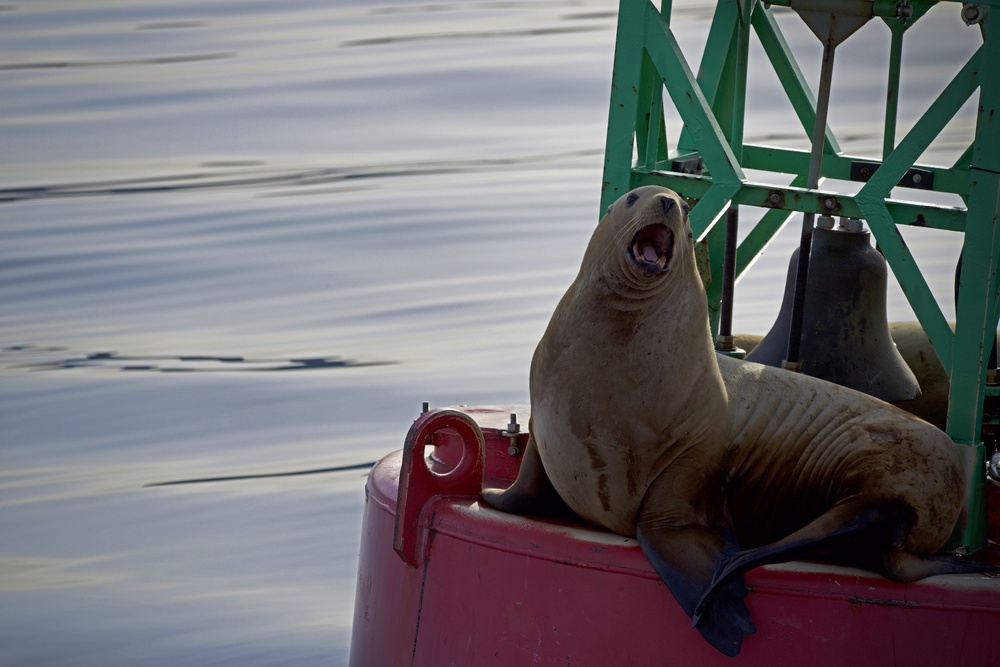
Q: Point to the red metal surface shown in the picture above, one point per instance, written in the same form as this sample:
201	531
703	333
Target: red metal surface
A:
497	589
426	479
502	463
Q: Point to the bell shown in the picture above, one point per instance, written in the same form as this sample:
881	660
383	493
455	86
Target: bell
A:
845	331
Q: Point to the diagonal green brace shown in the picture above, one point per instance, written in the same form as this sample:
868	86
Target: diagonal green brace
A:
789	74
714	61
690	102
871	201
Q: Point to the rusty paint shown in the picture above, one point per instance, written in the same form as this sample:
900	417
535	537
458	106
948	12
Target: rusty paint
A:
703	261
829	203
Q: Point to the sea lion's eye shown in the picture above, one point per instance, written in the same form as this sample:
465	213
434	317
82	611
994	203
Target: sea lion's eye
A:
685	207
632	198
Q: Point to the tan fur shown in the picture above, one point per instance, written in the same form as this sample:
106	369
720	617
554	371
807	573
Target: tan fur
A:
918	353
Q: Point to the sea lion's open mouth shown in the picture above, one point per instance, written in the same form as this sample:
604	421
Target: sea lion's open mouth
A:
651	247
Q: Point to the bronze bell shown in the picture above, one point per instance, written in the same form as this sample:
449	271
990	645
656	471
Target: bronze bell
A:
845	331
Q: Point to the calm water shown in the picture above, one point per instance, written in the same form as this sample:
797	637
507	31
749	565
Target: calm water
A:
247	238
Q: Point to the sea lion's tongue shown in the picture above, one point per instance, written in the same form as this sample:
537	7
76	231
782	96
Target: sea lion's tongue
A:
651	245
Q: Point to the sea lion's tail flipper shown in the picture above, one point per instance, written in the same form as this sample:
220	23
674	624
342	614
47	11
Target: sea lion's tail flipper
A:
686	558
532	493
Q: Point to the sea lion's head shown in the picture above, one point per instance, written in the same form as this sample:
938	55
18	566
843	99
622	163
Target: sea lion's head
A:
642	240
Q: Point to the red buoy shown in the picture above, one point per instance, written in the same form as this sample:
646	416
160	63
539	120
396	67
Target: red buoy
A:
444	580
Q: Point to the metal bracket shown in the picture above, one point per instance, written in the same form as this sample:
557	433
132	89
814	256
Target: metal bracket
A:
921	179
692	164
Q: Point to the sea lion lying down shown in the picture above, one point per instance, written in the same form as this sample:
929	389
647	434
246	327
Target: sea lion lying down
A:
716	465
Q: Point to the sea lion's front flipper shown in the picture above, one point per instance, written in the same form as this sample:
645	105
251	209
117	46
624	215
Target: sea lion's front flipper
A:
532	492
687	558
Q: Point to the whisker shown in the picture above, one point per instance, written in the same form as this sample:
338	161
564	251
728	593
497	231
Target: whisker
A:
621	234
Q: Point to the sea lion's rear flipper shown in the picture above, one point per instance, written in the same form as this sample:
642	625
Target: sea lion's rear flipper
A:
863	532
903	566
686	558
532	493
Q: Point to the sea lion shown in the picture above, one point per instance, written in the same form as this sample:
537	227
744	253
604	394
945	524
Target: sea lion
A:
715	465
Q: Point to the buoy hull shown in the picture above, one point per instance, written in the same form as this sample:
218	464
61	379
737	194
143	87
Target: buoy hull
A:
490	588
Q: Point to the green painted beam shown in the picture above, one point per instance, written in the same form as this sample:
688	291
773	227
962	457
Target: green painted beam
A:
650	129
979	287
624	102
803	200
792	161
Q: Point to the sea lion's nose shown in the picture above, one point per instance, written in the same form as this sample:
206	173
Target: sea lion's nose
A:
666	203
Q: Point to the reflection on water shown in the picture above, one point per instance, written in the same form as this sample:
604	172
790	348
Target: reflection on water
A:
391	197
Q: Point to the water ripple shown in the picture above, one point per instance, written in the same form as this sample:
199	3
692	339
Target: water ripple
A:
117	62
51	358
473	35
257	174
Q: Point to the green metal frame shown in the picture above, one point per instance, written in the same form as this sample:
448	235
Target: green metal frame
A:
711	158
